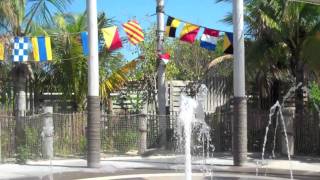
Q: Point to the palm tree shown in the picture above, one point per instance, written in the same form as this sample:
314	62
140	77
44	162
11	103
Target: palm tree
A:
16	19
284	45
291	26
70	67
69	70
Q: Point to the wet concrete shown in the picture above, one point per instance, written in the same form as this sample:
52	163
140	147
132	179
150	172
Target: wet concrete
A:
165	175
303	168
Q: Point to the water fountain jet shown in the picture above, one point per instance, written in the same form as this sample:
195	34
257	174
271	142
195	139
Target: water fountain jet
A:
191	121
276	109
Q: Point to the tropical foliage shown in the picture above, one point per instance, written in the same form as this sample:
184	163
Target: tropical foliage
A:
282	47
280	51
67	74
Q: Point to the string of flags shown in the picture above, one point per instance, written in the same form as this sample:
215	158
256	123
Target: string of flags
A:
190	31
42	50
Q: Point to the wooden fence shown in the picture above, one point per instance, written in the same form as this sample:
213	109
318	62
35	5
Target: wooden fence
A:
120	133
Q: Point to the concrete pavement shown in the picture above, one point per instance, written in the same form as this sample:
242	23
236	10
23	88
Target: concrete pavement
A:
76	168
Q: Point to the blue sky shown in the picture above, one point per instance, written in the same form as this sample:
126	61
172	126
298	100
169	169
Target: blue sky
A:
203	12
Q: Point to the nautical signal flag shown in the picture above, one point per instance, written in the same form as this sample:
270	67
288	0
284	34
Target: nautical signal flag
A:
172	25
227	43
85	45
189	33
20	49
209	39
111	38
1	52
41	48
164	57
134	32
84	42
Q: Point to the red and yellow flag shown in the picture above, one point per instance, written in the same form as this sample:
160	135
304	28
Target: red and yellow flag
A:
189	33
133	31
111	38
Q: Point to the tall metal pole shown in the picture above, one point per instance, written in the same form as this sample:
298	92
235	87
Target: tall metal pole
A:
239	138
93	131
161	74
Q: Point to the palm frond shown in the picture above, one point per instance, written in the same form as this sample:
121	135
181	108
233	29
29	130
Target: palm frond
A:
41	11
219	60
117	79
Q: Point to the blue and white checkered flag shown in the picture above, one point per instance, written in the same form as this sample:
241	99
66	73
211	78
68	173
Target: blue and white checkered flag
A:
20	49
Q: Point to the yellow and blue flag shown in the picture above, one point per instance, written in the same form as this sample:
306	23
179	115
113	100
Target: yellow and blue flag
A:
42	48
1	52
228	43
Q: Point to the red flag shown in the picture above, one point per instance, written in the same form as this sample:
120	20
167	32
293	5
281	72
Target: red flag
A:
165	57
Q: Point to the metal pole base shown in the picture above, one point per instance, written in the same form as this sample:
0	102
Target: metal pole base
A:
93	132
239	131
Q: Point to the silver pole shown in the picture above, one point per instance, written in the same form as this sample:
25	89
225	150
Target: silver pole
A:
240	103
93	131
161	74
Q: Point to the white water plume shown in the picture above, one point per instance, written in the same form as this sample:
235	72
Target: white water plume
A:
191	122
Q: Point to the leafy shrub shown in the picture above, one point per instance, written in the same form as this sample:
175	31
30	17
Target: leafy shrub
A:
33	140
315	93
107	144
126	140
83	144
5	143
22	155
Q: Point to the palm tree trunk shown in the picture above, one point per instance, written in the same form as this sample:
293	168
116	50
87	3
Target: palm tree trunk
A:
20	103
161	75
239	131
31	97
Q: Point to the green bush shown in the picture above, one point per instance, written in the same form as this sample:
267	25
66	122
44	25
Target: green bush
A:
5	142
126	140
63	144
83	145
107	144
22	155
33	139
315	93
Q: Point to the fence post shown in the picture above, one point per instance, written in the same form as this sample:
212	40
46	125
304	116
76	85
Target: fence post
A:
288	114
143	128
143	133
47	133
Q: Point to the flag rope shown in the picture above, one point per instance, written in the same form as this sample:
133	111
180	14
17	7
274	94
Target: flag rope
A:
196	24
77	33
54	35
247	34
